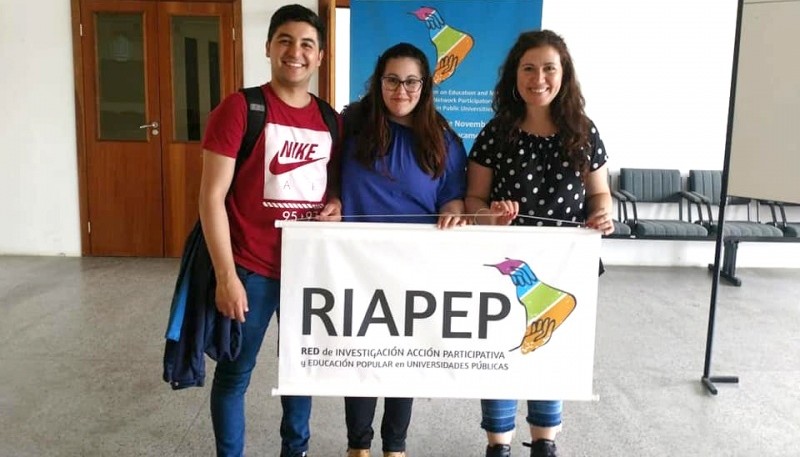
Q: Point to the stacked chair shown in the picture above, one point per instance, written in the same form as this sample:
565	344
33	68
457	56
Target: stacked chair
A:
662	187
789	229
621	229
706	185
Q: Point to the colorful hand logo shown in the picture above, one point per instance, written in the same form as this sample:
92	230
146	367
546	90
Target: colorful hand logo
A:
546	307
452	45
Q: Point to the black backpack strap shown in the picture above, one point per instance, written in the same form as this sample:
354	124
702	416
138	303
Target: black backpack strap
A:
330	118
256	118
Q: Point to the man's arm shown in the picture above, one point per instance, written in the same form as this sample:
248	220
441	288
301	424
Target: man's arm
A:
231	299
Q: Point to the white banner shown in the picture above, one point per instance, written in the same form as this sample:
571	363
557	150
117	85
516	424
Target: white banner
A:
408	310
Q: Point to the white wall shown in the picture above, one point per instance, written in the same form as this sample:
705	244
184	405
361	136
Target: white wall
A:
660	100
656	76
38	159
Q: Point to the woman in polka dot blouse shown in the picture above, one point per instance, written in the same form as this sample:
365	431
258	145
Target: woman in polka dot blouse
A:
539	161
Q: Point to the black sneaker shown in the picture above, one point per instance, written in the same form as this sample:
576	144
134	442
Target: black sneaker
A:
542	448
498	450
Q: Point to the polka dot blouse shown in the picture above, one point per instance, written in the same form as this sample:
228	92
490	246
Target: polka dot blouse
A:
536	173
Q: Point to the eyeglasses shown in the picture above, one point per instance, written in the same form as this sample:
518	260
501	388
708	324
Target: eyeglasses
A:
393	82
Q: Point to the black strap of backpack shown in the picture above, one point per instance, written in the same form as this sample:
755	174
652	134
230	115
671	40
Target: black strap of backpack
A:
329	116
256	118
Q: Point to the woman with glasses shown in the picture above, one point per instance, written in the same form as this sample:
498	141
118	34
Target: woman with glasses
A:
401	162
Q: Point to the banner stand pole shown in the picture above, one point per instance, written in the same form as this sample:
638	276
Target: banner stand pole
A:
708	380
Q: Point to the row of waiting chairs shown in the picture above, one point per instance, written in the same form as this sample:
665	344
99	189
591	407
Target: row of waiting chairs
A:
703	191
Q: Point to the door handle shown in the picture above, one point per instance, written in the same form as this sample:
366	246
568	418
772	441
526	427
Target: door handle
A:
153	125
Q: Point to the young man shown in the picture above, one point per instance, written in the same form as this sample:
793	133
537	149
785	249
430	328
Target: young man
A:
285	177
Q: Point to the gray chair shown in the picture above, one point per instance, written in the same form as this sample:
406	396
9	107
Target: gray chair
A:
621	230
707	186
659	186
790	229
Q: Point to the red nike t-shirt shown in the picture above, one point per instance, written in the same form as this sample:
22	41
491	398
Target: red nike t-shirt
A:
285	177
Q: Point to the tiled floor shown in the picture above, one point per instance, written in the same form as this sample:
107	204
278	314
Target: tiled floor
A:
80	370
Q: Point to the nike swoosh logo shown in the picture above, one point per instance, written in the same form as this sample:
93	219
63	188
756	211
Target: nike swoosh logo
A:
277	168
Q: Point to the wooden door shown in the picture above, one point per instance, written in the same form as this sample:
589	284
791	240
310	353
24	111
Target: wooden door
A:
120	57
196	67
152	71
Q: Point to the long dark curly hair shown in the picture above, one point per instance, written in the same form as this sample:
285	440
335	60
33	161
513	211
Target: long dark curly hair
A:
566	110
428	126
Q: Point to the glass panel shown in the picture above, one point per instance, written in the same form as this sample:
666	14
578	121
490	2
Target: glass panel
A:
195	73
120	67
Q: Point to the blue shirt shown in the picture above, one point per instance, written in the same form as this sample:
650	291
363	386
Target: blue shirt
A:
396	185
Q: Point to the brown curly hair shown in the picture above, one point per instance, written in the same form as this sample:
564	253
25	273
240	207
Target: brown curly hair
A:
567	109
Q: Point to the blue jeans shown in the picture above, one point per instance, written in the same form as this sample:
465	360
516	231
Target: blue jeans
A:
231	379
359	413
498	415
